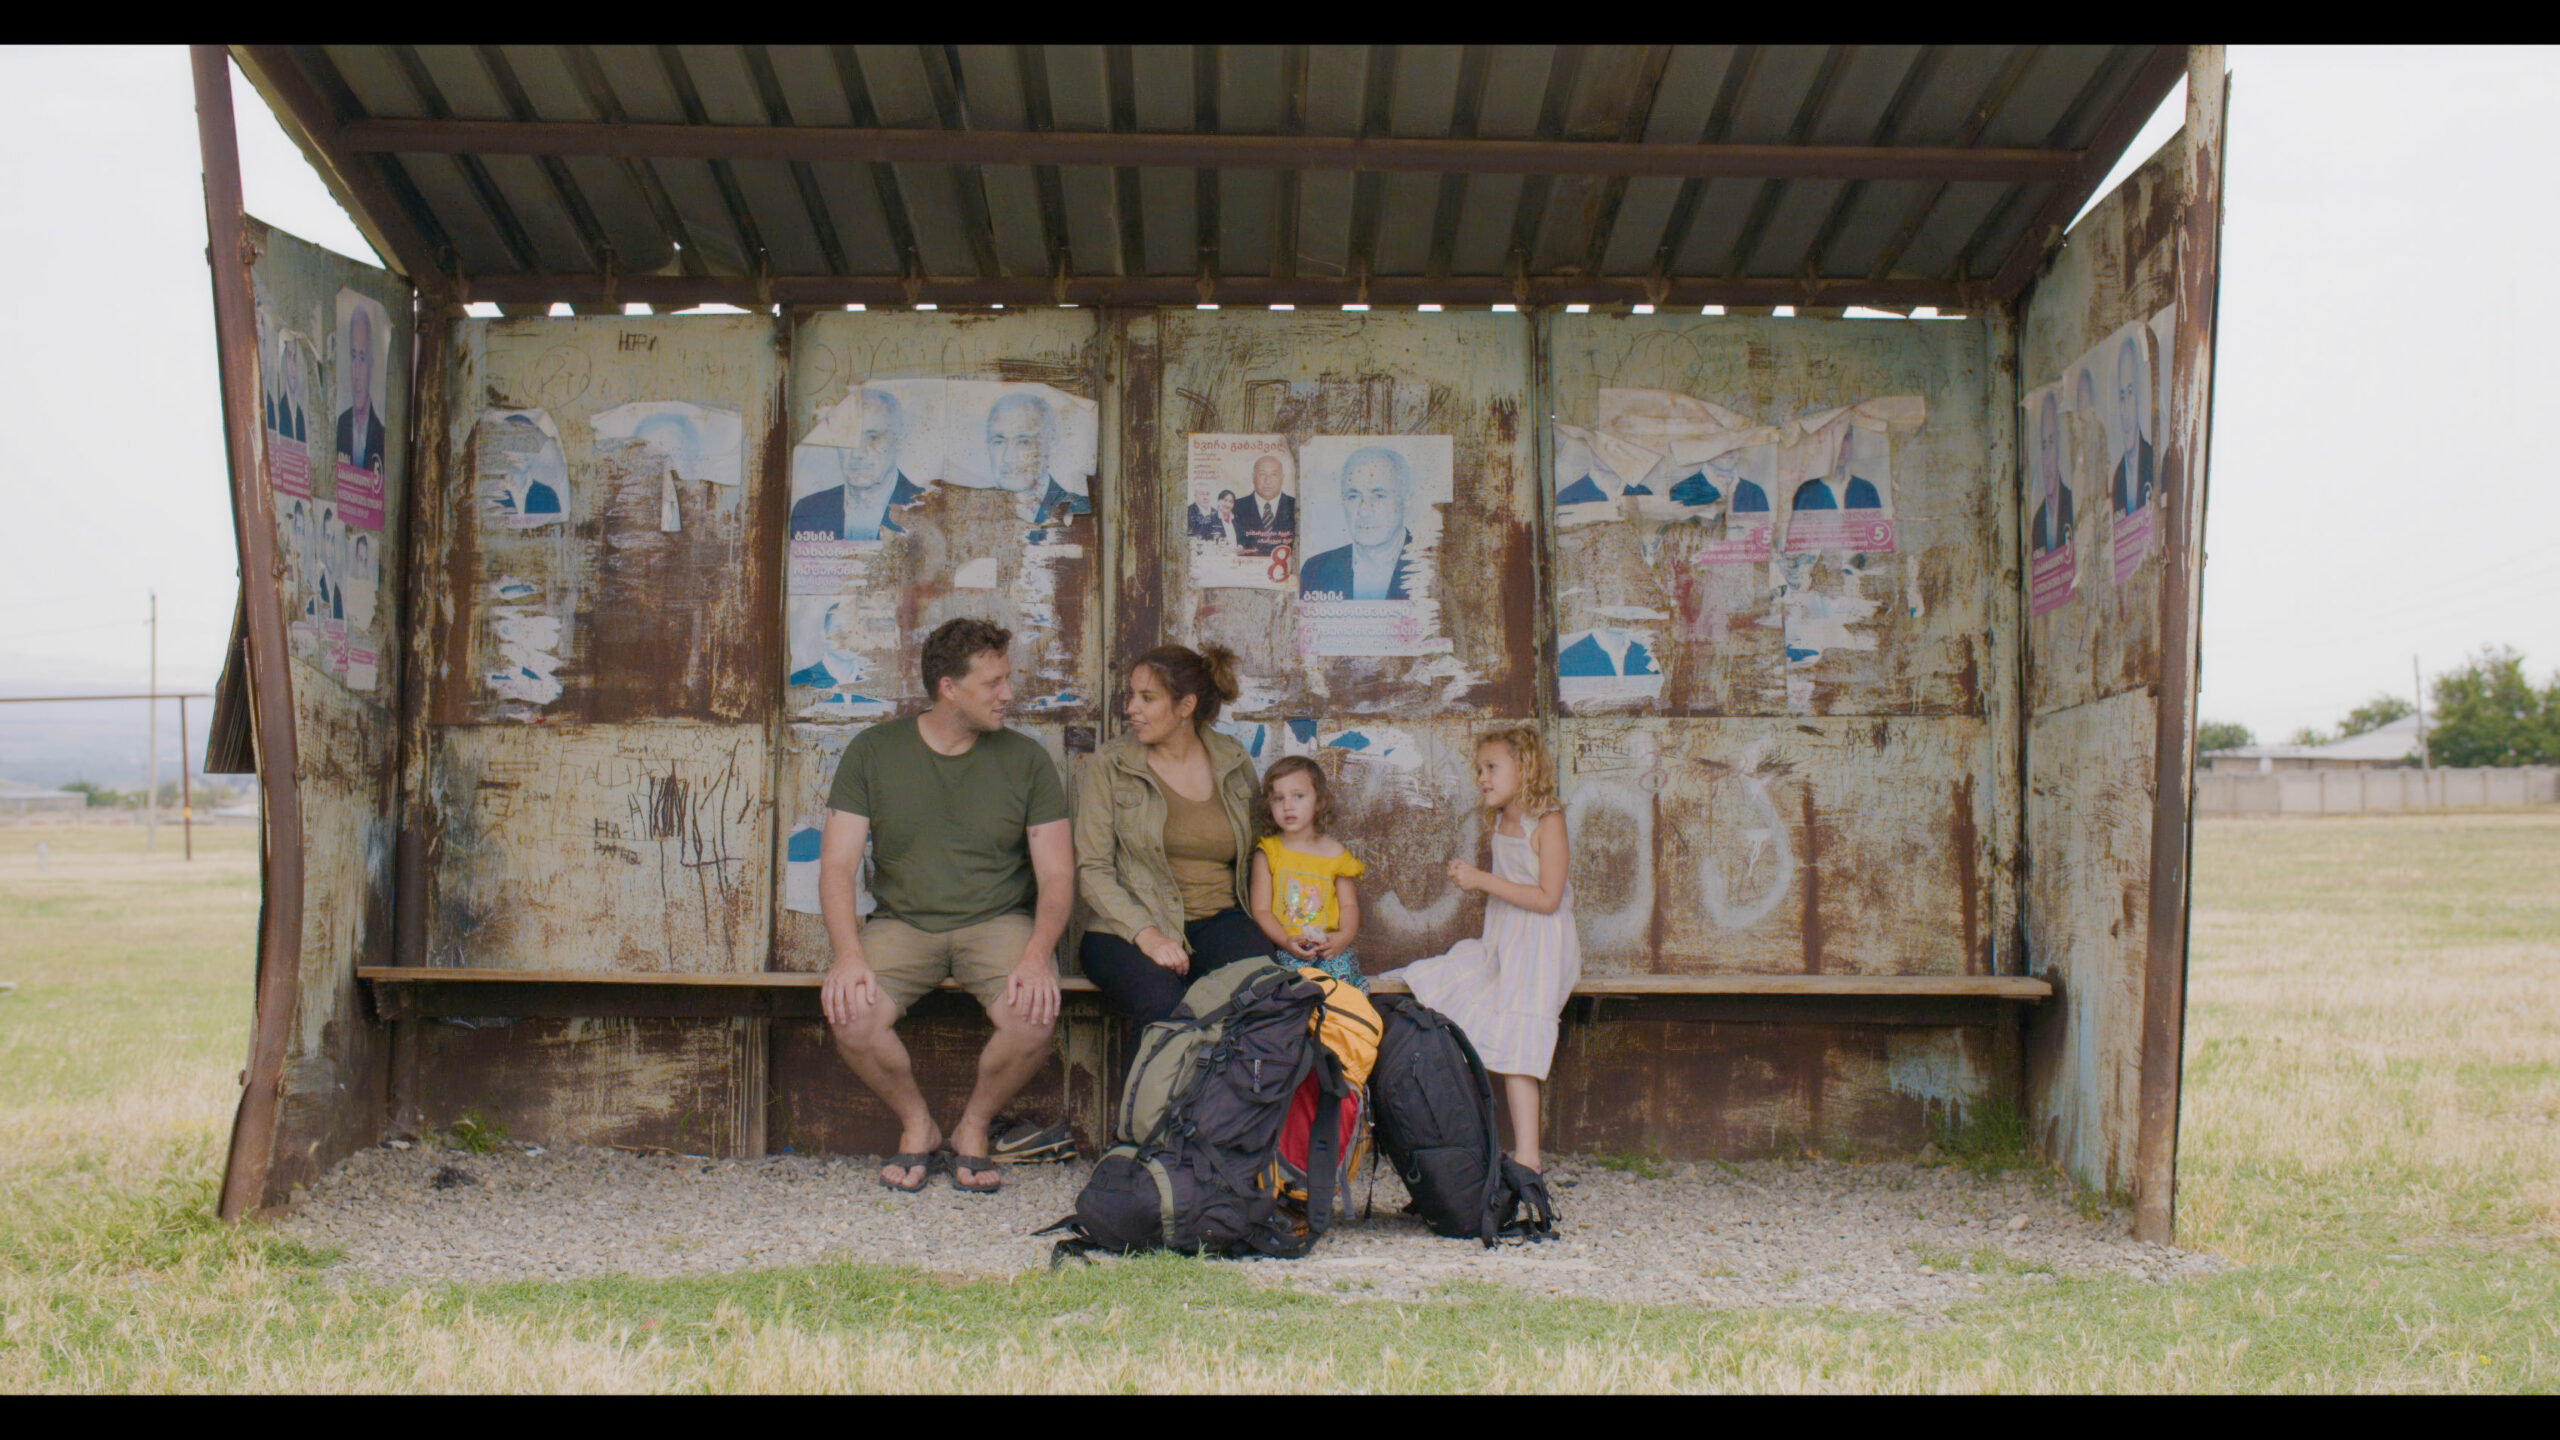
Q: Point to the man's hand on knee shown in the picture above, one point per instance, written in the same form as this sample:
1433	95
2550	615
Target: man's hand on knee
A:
850	993
1031	991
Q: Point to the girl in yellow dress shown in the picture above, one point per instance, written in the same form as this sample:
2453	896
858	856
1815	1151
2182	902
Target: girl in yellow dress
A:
1302	893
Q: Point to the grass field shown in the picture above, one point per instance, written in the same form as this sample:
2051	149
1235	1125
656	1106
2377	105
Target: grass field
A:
2372	1131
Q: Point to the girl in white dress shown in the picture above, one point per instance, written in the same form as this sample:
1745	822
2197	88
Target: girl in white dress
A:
1508	990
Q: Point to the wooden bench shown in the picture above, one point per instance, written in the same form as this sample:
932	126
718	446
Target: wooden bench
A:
417	992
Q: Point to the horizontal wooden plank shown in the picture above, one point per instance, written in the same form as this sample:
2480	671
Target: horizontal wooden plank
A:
1990	987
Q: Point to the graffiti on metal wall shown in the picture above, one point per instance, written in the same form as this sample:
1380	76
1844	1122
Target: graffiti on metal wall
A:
1773	845
915	501
1694	487
621	847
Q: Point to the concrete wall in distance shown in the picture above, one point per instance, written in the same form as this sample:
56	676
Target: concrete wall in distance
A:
2376	792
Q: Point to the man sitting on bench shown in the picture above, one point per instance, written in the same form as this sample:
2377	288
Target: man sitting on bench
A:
973	876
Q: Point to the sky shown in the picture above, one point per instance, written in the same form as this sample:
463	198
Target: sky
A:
2385	244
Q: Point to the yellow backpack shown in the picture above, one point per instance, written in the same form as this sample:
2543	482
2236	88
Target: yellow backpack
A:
1346	1025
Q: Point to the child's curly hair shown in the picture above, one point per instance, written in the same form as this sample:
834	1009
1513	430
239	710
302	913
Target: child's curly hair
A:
1528	749
1322	824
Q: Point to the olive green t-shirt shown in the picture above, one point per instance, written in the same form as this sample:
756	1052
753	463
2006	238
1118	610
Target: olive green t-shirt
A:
947	847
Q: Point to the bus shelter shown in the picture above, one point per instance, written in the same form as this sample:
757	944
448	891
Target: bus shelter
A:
1772	437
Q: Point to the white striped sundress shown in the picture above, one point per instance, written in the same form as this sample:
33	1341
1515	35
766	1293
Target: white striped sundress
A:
1508	990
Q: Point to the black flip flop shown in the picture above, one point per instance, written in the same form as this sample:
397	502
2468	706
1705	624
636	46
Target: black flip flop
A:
983	1166
907	1162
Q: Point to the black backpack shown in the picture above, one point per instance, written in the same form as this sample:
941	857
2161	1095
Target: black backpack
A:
1432	1104
1199	1124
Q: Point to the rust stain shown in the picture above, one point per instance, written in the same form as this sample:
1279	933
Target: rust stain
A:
1812	873
1966	843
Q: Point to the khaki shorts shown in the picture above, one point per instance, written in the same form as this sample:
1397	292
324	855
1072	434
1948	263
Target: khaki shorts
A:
908	961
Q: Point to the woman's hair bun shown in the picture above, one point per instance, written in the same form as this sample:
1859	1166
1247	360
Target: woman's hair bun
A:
1222	672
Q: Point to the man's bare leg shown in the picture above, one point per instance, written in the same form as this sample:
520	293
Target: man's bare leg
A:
1012	1056
872	1051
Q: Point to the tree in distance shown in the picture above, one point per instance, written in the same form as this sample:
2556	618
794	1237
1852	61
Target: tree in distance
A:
2375	713
2308	735
2222	735
2488	713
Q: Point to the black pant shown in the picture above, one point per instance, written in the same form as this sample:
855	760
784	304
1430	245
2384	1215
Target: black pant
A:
1146	991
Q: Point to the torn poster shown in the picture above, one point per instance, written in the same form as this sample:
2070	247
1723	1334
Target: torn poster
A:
364	337
2053	566
925	500
1369	527
1744	479
524	476
704	444
1606	664
1837	473
841	648
284	389
1242	513
2120	367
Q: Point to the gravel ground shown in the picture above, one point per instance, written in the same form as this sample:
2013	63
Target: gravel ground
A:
1894	1237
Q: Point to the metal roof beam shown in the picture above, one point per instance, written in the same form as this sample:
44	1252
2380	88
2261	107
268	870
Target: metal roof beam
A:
359	187
1362	154
666	292
2160	73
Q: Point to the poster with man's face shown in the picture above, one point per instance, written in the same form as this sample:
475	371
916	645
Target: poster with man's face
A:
1242	512
1369	536
973	496
2051	504
364	339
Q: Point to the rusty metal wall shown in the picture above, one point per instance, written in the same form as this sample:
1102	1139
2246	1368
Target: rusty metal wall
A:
691	1085
1826	783
340	601
1820	776
595	758
2093	666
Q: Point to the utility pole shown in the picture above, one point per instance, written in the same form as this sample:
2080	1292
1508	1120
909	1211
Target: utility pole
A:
2417	682
151	796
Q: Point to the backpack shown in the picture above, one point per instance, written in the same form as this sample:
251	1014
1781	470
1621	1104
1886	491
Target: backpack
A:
1199	1122
1348	1026
1433	1109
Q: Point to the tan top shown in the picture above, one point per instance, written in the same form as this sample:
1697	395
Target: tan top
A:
1201	848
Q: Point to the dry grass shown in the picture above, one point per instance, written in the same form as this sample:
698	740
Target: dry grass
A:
2372	1125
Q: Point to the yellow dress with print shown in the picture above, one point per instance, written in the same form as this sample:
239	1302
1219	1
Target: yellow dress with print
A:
1305	900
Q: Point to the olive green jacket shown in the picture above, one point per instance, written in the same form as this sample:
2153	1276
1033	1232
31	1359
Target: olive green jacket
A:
1122	875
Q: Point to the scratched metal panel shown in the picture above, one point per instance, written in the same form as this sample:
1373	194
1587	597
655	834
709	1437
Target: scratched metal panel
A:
691	1085
339	536
1748	846
601	848
2117	267
1465	376
1906	632
1686	1089
603	614
2088	905
810	752
935	566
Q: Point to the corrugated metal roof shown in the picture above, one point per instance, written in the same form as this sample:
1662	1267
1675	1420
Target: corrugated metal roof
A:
504	209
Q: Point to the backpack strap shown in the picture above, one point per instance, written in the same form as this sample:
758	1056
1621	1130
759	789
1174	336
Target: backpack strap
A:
1164	1195
1324	1142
